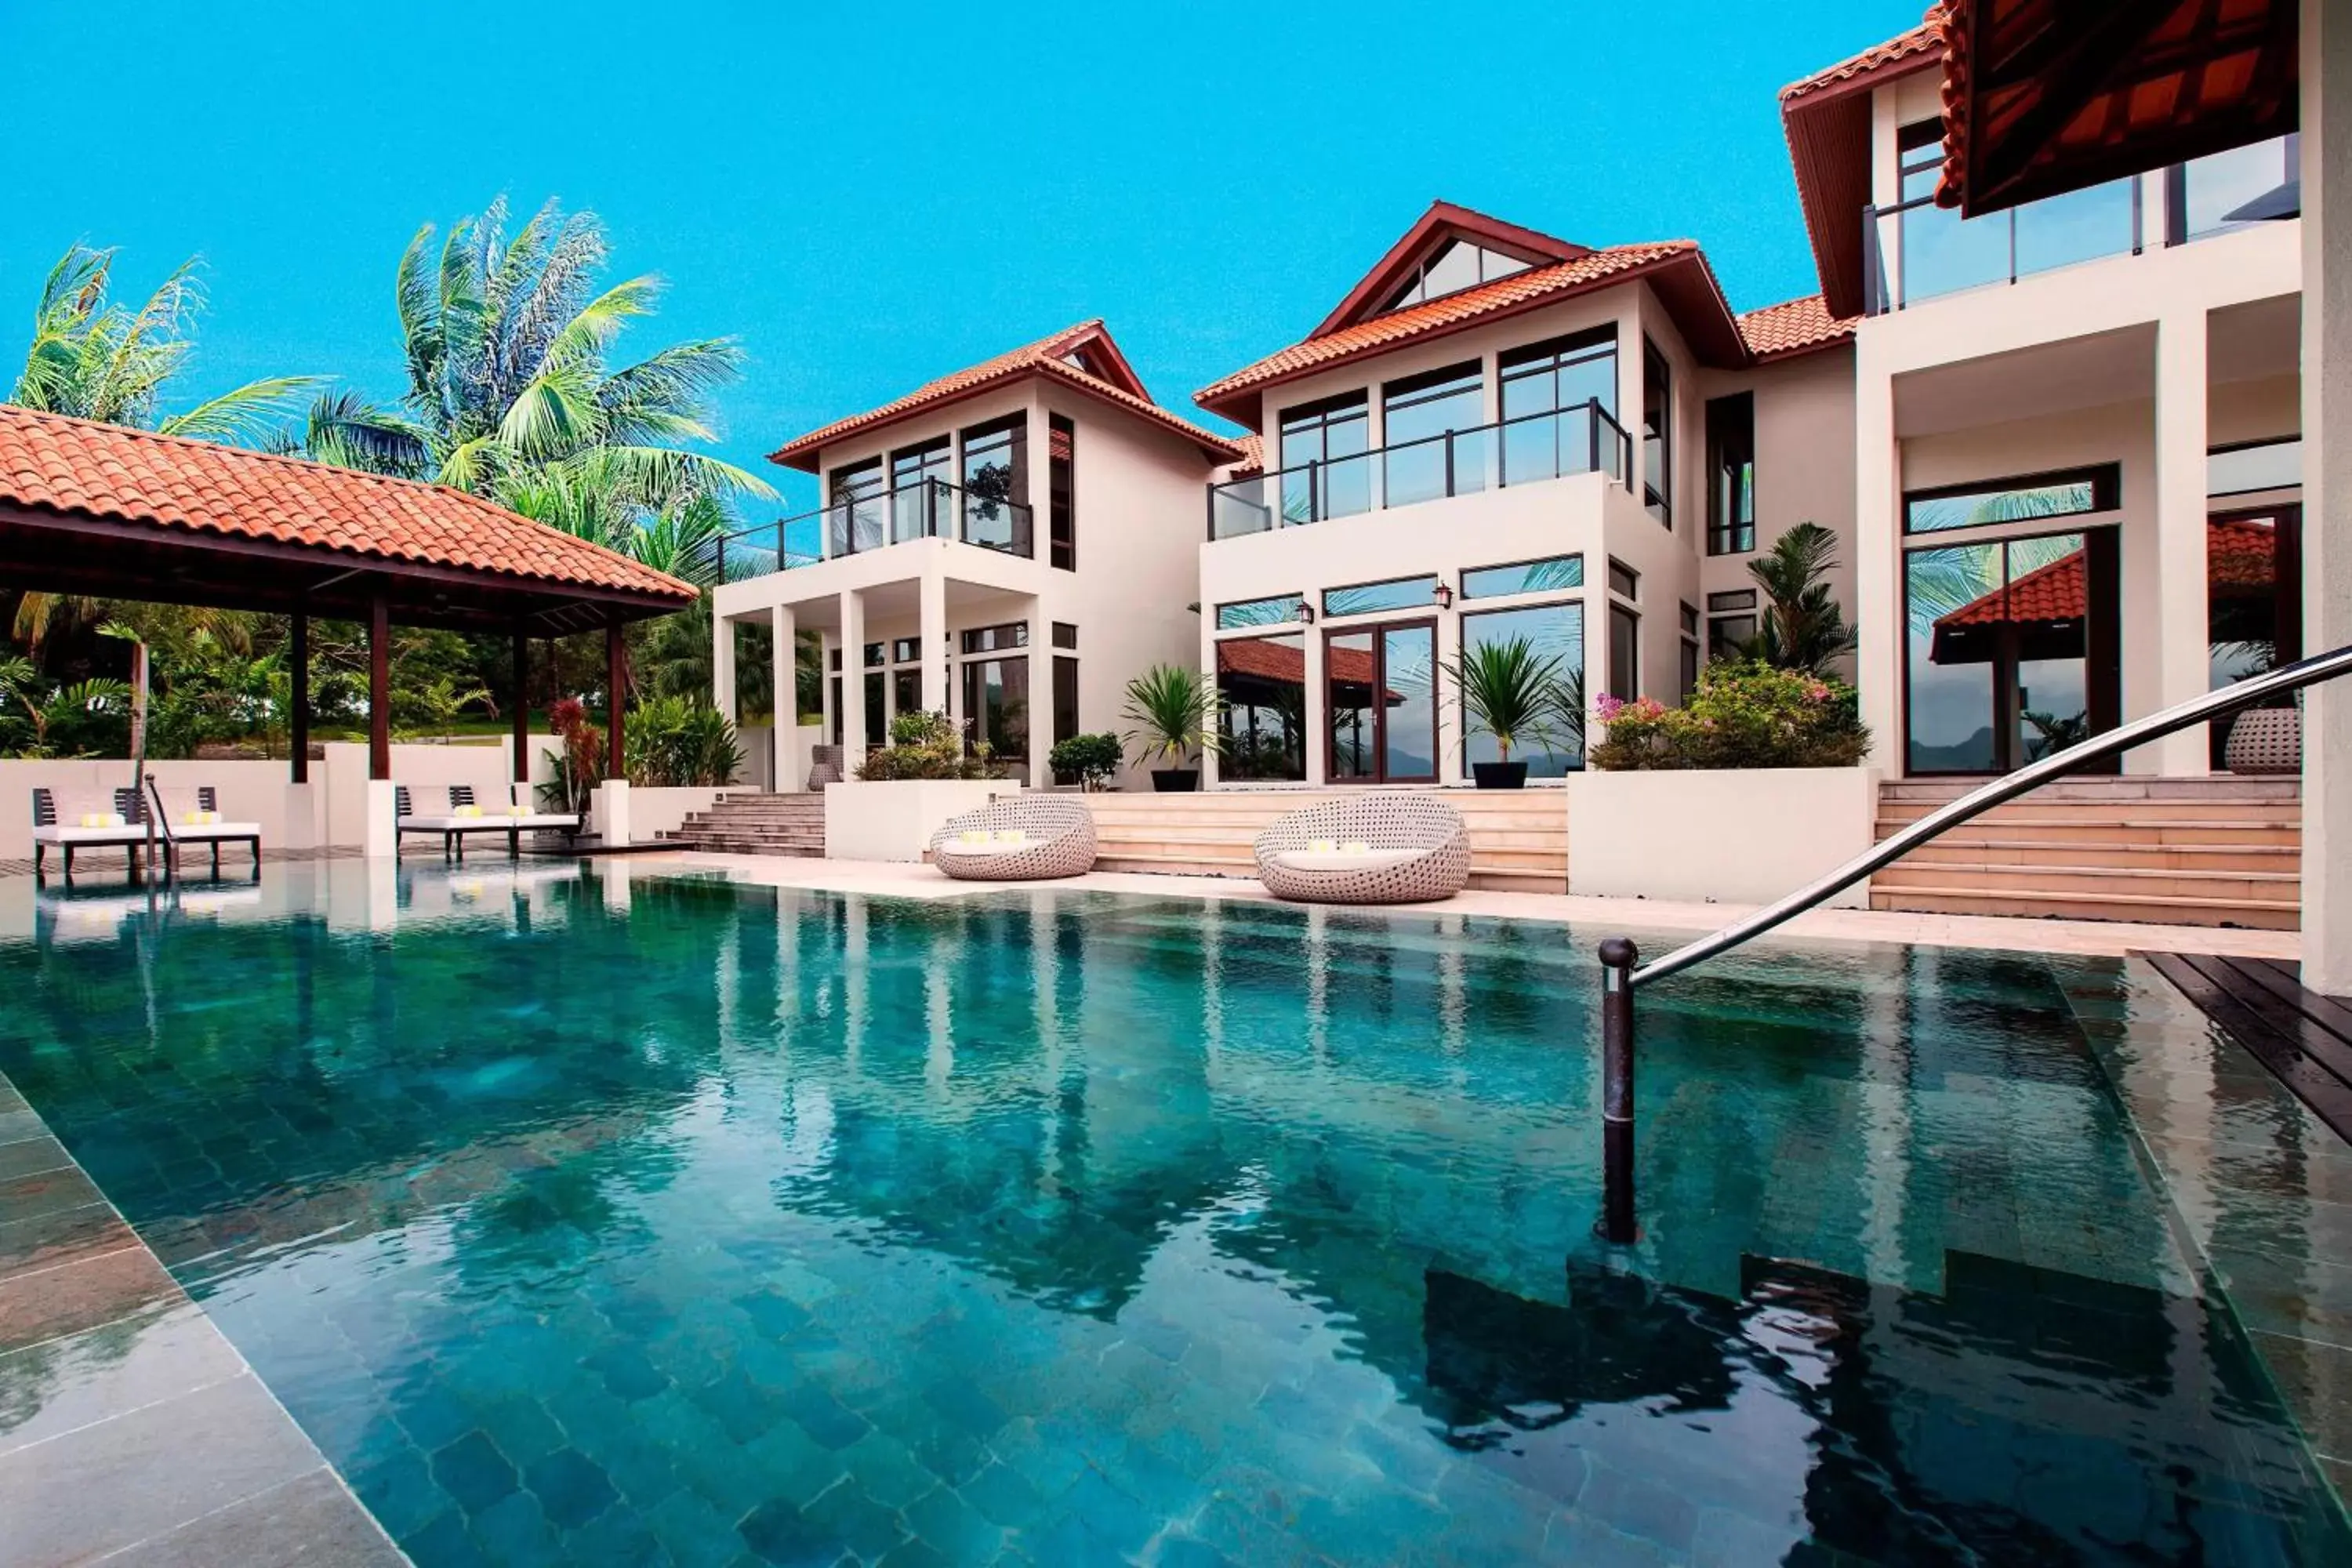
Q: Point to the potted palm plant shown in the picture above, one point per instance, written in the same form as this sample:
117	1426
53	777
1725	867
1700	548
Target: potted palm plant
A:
1174	711
1509	692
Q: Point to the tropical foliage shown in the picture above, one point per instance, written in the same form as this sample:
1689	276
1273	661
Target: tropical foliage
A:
671	741
925	746
1174	711
578	767
1744	715
1512	693
1802	627
1091	760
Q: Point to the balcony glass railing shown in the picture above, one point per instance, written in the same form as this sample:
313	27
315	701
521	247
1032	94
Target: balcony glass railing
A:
932	509
1578	440
1918	250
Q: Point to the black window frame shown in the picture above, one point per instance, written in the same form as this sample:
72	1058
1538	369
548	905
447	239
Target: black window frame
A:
1470	573
1658	385
2106	495
1065	634
1731	474
1625	685
983	641
1066	697
1061	493
1632	588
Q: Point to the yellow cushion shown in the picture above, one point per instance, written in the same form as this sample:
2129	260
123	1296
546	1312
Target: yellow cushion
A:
516	809
467	811
101	819
971	835
199	818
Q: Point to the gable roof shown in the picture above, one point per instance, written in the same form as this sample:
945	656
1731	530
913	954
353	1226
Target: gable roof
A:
1826	118
1110	379
1674	267
1794	327
55	467
1444	222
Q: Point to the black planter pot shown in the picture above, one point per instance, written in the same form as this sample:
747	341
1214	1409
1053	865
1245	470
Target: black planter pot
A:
1500	775
1175	780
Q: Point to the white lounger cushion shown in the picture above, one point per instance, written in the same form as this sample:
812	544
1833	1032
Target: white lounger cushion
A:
135	832
190	830
953	846
1345	859
488	822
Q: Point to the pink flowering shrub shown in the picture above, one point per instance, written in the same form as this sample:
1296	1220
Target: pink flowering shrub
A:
1743	715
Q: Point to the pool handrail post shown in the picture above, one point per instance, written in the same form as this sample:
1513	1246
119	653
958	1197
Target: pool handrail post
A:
1617	1011
1618	957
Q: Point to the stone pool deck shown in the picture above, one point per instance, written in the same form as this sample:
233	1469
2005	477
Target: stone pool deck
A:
131	1432
2080	938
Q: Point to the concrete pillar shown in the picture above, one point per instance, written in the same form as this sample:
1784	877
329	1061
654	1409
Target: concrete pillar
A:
722	666
612	812
853	680
1446	693
2184	666
783	672
1210	761
1877	561
1041	694
931	625
1318	709
2326	98
379	836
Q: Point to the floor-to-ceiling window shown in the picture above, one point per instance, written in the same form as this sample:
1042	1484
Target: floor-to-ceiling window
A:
855	508
996	689
1731	474
1261	692
1422	457
996	484
1324	470
918	501
1554	634
1657	434
1381	683
2253	607
1546	387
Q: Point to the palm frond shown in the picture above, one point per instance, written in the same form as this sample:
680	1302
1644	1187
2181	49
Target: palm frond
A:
664	472
419	304
345	429
247	412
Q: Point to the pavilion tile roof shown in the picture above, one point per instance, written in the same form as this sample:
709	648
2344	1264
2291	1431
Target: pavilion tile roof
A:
1794	327
77	466
2240	553
1535	285
1043	357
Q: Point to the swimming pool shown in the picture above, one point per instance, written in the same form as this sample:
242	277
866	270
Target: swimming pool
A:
586	1221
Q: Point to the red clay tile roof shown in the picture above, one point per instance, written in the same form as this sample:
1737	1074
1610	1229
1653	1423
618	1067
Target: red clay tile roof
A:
1043	357
2239	553
1794	327
1287	662
1536	286
76	467
1921	47
1253	448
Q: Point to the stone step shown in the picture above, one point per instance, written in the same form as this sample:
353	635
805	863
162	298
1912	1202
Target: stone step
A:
2139	885
1958	850
2288	835
2219	788
2258	915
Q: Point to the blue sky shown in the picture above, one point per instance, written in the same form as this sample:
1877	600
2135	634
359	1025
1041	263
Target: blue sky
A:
870	195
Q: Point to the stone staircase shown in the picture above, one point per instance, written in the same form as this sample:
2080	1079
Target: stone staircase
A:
1518	838
750	823
2222	851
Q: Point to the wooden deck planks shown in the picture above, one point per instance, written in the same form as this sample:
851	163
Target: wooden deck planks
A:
2302	1037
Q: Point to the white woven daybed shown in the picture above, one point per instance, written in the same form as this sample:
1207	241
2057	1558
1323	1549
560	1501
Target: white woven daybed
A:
1020	838
1370	848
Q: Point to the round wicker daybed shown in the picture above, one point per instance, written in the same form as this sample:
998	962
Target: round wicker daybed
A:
1020	838
1370	848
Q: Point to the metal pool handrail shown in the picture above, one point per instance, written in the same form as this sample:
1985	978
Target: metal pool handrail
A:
1620	978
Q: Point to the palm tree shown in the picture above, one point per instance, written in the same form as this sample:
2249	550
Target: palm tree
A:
1801	626
506	338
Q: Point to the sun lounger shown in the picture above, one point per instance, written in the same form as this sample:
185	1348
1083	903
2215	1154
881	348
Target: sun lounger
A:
1371	848
86	825
198	819
466	817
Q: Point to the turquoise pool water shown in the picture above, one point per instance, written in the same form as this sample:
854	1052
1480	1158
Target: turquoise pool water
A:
698	1224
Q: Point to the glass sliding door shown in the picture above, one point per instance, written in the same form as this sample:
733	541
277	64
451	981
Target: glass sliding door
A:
2013	650
2253	605
1383	703
1262	706
996	706
1552	632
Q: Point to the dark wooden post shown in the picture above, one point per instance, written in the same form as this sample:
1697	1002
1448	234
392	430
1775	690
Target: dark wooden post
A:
298	703
616	682
1618	957
379	687
521	707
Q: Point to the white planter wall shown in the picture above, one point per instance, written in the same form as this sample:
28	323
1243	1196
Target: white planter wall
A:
655	812
1738	835
895	820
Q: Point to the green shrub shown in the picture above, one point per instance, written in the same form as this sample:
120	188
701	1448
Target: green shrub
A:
1743	715
672	741
925	746
1087	759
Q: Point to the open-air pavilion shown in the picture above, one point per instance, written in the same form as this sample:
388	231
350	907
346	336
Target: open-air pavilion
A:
104	512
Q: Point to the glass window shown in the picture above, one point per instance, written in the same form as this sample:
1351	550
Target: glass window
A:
1364	598
1941	252
996	706
906	650
1350	677
1064	634
1453	266
1690	620
1657	434
876	653
1553	632
2242	186
1623	579
1066	697
1423	458
1261	612
1737	599
1688	670
877	717
996	484
1731	474
2025	499
1324	470
1061	493
853	515
1262	706
1625	653
2253	609
1728	635
836	709
1548	575
988	639
2263	466
1542	385
916	510
906	690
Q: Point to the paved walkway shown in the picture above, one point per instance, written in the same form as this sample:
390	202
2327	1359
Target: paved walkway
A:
2089	938
131	1432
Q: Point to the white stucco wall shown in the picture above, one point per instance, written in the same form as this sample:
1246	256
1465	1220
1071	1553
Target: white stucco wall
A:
895	820
1698	837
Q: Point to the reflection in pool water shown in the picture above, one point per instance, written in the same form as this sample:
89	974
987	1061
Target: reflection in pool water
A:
596	1222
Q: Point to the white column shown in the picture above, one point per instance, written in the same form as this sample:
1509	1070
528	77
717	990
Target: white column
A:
2184	668
1878	557
783	673
932	617
1209	760
2326	64
853	680
722	665
1446	692
1041	694
1317	708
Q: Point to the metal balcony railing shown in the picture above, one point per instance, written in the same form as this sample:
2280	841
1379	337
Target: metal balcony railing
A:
930	509
1620	977
1548	445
